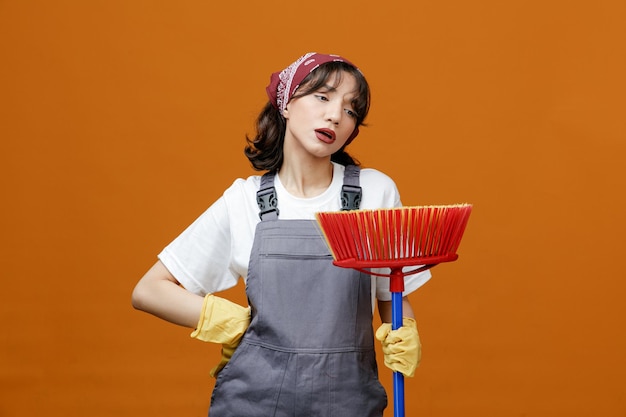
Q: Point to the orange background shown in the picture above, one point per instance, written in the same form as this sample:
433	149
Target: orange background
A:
121	121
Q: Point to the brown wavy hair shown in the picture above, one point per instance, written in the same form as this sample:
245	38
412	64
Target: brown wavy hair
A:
265	150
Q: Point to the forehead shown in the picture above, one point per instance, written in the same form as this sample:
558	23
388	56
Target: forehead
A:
338	80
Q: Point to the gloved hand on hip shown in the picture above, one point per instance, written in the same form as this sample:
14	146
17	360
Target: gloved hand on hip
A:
222	321
401	347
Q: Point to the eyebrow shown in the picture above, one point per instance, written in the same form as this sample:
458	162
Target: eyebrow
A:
328	87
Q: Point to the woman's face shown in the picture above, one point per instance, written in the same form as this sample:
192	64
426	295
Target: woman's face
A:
321	122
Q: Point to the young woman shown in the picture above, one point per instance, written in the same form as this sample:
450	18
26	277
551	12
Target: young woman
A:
305	344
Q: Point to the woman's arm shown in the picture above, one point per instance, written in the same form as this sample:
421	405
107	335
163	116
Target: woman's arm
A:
160	294
384	310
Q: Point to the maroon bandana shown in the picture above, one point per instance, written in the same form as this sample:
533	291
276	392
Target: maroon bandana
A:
284	83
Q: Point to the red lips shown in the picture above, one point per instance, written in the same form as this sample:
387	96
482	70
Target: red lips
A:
325	135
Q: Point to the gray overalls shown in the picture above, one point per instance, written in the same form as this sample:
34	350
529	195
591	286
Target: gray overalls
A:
309	350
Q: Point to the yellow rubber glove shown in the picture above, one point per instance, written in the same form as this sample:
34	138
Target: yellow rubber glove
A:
222	321
401	347
227	353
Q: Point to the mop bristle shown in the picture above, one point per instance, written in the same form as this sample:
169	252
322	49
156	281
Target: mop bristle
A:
396	233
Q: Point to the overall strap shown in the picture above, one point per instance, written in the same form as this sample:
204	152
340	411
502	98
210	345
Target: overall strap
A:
266	198
351	191
267	201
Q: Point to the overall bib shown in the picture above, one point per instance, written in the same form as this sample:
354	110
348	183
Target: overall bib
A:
309	350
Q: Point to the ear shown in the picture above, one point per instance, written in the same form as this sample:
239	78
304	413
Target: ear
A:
286	112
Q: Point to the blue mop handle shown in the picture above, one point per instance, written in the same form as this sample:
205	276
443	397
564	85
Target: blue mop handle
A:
396	286
398	377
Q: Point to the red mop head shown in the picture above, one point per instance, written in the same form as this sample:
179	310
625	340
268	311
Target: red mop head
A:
395	238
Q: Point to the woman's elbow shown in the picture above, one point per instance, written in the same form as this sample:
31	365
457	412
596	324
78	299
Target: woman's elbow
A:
142	295
151	289
137	297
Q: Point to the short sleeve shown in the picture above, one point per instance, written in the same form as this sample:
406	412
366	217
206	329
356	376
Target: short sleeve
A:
200	257
411	283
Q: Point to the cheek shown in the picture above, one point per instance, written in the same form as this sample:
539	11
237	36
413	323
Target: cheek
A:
349	125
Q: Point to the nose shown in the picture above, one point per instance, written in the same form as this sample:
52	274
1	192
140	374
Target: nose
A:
333	112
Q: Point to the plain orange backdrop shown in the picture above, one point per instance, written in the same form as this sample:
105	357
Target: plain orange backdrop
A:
121	121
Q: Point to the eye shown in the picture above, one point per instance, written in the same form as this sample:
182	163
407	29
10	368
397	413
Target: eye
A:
351	113
321	97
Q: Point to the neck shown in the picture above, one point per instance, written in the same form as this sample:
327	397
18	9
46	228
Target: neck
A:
306	179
